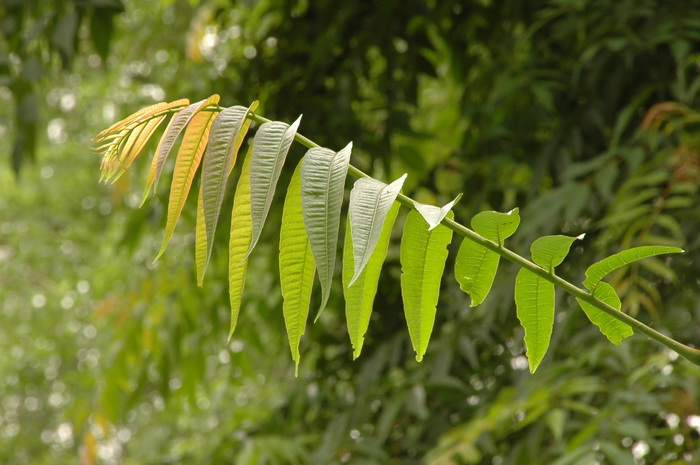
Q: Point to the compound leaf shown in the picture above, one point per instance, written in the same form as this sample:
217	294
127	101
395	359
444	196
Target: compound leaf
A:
370	201
297	267
270	147
534	300
599	270
359	295
323	173
423	255
612	328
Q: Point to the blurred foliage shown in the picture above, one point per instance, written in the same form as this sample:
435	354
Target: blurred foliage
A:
586	110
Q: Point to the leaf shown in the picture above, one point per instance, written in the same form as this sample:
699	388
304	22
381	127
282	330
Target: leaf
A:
476	266
241	233
423	255
434	215
270	147
297	267
227	134
370	201
534	300
359	296
550	251
136	142
323	173
599	270
172	132
612	328
186	164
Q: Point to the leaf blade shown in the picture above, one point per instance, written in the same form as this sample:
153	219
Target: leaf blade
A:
614	329
549	251
534	300
323	175
423	255
596	272
434	215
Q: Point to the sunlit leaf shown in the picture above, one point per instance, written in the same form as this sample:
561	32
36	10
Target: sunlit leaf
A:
297	267
186	164
136	142
323	173
370	201
599	270
534	299
423	255
434	215
550	251
241	233
476	266
270	147
227	133
612	328
172	132
359	296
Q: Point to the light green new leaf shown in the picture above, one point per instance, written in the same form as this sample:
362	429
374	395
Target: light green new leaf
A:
297	267
599	270
186	164
476	266
270	147
613	329
227	133
434	215
550	251
241	233
175	127
423	255
359	296
370	201
534	300
323	173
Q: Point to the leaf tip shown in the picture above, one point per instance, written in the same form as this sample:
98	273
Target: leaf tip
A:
581	236
419	357
296	367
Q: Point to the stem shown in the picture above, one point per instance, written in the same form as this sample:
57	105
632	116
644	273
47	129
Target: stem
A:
689	353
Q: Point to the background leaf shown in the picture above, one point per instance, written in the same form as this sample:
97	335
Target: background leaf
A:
423	255
359	296
613	329
270	147
370	201
323	175
297	267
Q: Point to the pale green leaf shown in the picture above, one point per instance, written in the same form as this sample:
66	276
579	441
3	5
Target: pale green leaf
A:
297	267
370	201
227	132
359	296
612	328
270	147
323	173
239	241
186	164
476	266
175	127
599	270
423	255
550	251
434	215
534	300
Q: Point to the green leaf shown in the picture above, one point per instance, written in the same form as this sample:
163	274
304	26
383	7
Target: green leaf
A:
423	255
186	164
613	329
270	147
297	267
434	215
599	270
175	127
534	300
476	266
550	251
227	133
359	296
370	201
241	234
323	173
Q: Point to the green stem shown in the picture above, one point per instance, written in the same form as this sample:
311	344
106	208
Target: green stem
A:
689	353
